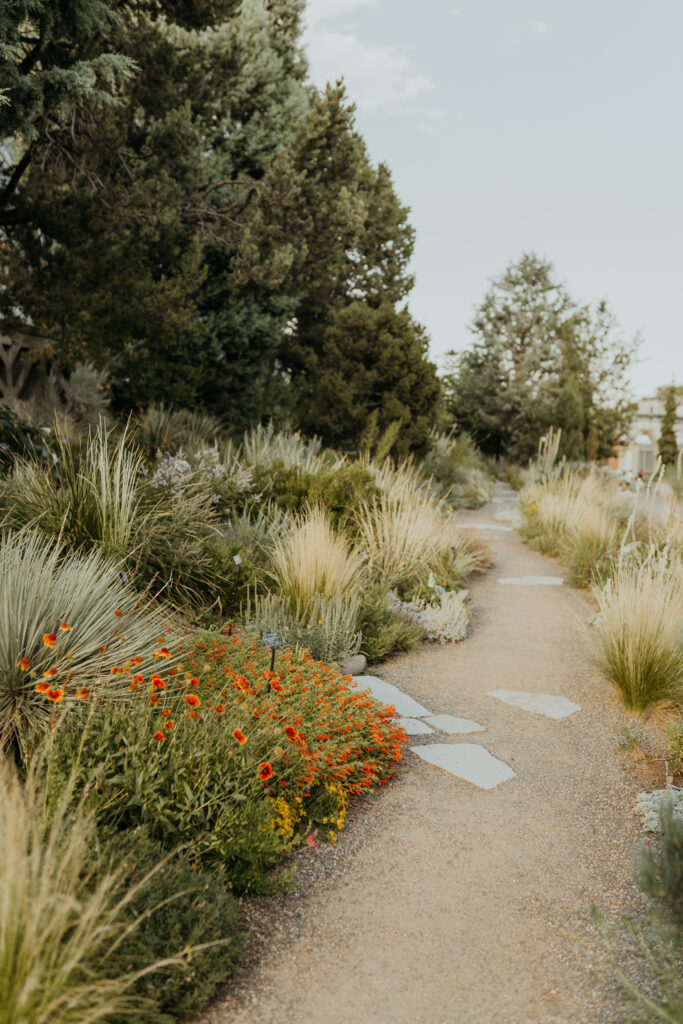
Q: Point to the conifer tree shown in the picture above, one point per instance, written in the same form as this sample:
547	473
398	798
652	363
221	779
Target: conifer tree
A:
668	444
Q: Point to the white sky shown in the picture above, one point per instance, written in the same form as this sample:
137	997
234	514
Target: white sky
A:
512	125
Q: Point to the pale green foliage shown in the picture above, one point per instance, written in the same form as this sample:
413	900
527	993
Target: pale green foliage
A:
312	561
328	627
40	588
407	536
90	497
60	913
263	446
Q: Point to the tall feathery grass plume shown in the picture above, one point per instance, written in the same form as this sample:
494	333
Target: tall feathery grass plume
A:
638	644
406	537
311	561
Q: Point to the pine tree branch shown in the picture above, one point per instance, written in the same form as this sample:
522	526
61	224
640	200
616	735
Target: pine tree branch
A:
14	179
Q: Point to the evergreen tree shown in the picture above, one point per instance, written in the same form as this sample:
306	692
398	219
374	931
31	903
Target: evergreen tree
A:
540	359
351	273
373	361
668	445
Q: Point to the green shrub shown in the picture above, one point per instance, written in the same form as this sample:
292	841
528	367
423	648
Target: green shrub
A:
162	429
340	489
182	911
659	867
19	439
384	630
459	471
589	560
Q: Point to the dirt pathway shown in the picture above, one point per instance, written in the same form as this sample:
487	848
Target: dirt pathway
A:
448	904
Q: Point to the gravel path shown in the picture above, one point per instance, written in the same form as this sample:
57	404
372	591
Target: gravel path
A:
446	904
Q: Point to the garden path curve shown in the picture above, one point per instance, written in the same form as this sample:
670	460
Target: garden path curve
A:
446	903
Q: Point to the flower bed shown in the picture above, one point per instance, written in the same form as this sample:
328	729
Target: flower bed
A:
221	753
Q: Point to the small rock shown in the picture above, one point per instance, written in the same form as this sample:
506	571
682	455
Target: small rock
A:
354	666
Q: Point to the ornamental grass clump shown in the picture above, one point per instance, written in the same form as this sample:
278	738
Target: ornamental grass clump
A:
88	496
407	537
68	624
312	561
60	914
639	631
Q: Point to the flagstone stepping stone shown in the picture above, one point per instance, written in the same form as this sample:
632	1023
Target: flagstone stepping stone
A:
533	581
415	726
485	526
449	723
386	693
549	704
468	761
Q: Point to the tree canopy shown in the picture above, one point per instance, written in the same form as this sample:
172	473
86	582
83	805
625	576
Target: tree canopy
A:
540	359
183	209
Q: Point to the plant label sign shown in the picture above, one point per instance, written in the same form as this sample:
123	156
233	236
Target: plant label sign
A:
237	559
271	640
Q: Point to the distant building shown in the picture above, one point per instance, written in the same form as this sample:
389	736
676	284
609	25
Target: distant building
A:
639	452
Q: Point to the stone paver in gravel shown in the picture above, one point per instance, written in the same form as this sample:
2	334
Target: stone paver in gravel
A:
468	761
449	723
415	726
386	693
533	581
549	704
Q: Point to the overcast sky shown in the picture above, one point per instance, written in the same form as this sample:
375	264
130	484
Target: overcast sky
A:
512	125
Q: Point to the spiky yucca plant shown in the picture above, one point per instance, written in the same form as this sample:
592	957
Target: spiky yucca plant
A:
67	621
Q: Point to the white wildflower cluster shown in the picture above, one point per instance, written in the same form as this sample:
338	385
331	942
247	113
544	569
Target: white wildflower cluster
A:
443	616
178	470
173	471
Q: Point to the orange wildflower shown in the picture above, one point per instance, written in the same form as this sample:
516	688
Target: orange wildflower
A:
192	715
158	683
24	664
103	649
83	693
158	736
290	733
265	771
54	695
138	679
220	708
118	613
49	639
153	700
50	672
239	736
42	687
65	627
193	700
169	724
